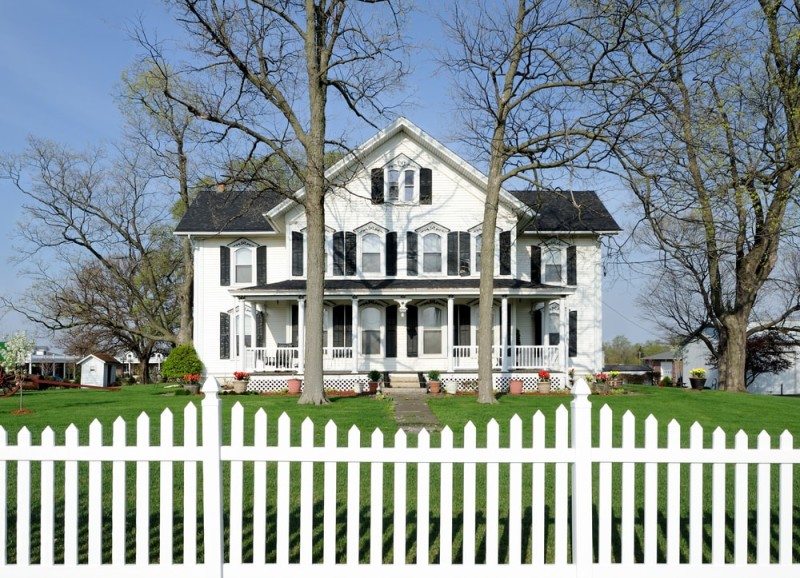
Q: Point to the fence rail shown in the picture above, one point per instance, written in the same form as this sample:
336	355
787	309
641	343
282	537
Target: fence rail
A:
317	504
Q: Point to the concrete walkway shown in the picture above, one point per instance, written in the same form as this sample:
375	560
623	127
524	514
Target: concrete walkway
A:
411	412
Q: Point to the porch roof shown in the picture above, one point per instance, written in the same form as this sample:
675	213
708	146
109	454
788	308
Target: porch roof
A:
406	286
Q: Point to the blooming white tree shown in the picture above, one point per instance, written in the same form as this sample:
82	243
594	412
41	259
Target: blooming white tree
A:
17	349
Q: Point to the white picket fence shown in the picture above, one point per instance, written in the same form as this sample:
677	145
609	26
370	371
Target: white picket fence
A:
570	508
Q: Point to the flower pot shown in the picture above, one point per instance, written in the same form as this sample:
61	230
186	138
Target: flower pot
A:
373	387
193	388
239	386
515	386
697	382
294	385
543	386
601	387
451	387
434	386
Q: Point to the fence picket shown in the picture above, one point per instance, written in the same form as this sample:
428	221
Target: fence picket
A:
741	501
24	500
423	502
673	495
515	495
306	494
446	501
561	486
166	487
283	493
650	492
118	494
785	510
353	497
259	489
142	492
718	502
95	496
329	507
696	498
47	511
376	502
71	498
492	493
537	491
470	479
399	522
604	489
189	486
628	489
763	504
236	485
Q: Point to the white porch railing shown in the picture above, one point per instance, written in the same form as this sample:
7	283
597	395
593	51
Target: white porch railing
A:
271	358
337	358
521	356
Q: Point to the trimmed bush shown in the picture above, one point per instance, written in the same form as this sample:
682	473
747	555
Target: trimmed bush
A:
182	360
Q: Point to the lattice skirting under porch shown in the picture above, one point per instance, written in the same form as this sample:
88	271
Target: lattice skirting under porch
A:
530	382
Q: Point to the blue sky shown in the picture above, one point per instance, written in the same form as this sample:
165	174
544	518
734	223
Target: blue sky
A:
60	61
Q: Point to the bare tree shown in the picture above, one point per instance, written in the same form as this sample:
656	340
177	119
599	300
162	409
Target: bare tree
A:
96	242
262	79
524	74
711	151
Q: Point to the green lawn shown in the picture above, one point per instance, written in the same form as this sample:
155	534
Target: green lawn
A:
59	408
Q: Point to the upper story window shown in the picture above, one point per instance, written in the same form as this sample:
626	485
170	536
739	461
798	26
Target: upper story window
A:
402	181
371	249
432	253
552	258
243	259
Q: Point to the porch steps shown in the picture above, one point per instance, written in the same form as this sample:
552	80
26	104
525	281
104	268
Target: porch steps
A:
404	380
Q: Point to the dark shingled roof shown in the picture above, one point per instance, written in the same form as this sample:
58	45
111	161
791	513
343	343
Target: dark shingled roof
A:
580	211
299	285
229	211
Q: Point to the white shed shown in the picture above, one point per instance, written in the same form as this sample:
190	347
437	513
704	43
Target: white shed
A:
98	369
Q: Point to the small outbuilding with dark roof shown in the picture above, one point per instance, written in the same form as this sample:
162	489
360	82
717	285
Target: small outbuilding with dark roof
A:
98	369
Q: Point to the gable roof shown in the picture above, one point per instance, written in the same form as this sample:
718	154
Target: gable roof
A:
416	135
102	357
229	211
566	211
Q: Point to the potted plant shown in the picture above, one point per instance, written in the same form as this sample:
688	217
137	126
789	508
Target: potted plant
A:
374	377
191	382
240	379
601	382
515	386
543	385
434	385
613	379
697	377
295	385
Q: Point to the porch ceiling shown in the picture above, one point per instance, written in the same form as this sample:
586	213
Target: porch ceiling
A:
460	286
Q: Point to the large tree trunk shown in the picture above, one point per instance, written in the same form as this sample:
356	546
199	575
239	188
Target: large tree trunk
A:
732	352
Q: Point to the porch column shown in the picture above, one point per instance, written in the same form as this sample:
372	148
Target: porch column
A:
564	331
449	339
354	334
504	333
301	334
240	336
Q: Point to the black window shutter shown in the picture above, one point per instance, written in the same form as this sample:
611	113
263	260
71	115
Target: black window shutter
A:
224	336
452	253
505	253
411	253
536	265
463	253
377	186
261	265
391	331
411	331
224	266
425	186
572	265
573	333
349	253
295	324
297	253
338	253
259	329
391	254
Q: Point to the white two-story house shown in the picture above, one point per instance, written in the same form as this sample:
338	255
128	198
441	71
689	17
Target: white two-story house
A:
403	253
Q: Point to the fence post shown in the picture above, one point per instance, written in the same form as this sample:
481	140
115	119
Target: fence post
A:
213	537
581	429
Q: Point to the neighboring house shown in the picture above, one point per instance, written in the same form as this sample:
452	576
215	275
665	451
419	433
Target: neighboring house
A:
632	373
98	369
43	361
666	364
403	244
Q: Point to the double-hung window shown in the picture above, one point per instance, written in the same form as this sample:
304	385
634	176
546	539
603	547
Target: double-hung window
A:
371	250
432	321
553	265
243	262
432	253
